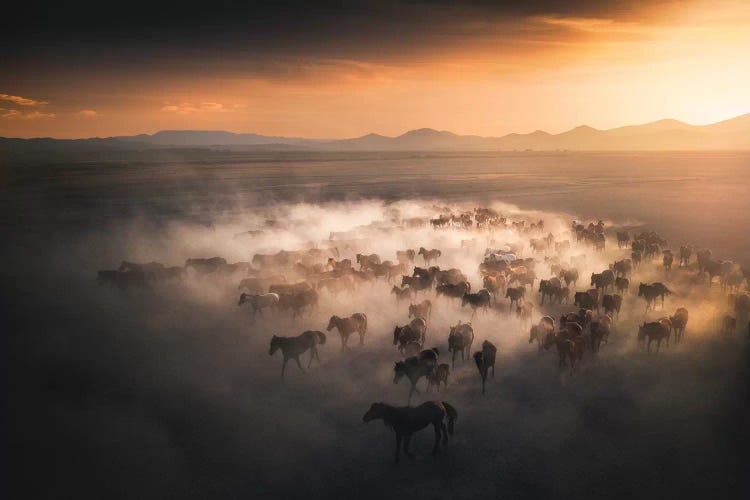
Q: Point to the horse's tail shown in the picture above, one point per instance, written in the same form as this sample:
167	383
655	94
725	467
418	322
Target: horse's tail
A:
321	337
452	416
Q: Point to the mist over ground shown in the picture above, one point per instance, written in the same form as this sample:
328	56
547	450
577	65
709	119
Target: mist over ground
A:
172	393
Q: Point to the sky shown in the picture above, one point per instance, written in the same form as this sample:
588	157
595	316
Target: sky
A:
345	69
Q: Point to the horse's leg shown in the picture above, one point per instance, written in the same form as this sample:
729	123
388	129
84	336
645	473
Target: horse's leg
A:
283	366
296	358
438	433
398	446
444	429
407	441
453	359
361	338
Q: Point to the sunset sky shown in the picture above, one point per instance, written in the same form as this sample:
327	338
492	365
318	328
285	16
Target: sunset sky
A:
344	69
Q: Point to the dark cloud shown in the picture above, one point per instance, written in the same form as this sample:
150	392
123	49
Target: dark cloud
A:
285	23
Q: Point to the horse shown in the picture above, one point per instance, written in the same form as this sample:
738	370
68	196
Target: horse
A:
259	302
366	261
421	310
357	322
612	304
298	301
538	333
654	330
623	239
667	260
679	321
494	284
622	267
481	299
455	291
485	359
524	312
429	255
405	256
600	329
293	347
413	332
569	275
439	375
515	295
584	300
415	368
460	338
622	284
603	280
728	325
549	288
650	294
417	283
406	420
205	266
569	342
685	253
402	293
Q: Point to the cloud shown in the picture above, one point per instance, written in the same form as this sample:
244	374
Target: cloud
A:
89	113
208	107
21	101
31	115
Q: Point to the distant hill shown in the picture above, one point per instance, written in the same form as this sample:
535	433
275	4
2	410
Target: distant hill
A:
662	135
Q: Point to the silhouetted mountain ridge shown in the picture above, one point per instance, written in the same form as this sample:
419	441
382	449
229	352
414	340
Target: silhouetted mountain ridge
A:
666	134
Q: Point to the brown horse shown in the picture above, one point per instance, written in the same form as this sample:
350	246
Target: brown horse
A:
422	310
460	338
415	368
415	331
406	420
679	322
569	342
655	330
429	255
293	347
438	375
485	359
357	322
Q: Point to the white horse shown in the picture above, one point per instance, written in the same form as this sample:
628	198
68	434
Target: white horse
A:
259	302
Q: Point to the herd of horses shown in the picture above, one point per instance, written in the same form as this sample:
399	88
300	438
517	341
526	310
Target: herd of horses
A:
293	282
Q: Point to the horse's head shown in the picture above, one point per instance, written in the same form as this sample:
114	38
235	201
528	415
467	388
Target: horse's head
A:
399	370
412	310
422	250
332	323
397	334
243	299
594	277
275	344
641	289
375	412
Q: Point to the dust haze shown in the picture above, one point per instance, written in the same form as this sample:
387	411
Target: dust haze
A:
171	392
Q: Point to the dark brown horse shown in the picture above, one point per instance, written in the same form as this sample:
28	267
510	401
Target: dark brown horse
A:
485	359
679	323
654	330
415	368
357	322
415	331
569	342
406	420
293	347
460	338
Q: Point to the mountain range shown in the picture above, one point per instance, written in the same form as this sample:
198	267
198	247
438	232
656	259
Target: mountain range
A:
732	134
